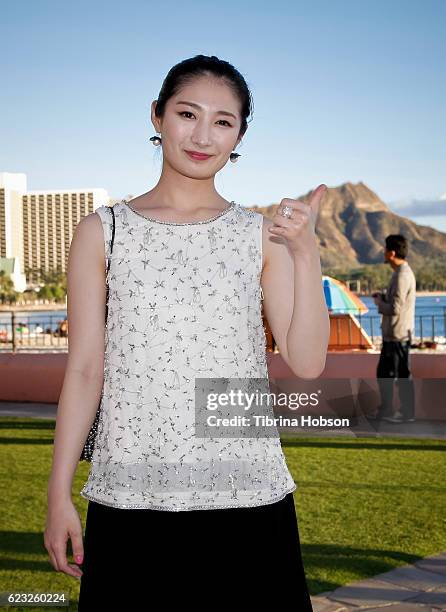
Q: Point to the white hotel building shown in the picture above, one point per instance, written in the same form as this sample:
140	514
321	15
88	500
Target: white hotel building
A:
36	227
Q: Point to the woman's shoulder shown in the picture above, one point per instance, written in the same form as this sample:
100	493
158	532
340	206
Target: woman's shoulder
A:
257	218
107	208
246	210
106	212
248	213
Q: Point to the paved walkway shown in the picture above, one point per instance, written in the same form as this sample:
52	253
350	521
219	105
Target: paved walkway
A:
360	427
28	409
421	586
426	429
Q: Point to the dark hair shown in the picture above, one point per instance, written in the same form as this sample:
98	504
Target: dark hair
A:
204	65
397	243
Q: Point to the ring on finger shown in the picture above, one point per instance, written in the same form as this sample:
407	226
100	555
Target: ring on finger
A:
286	211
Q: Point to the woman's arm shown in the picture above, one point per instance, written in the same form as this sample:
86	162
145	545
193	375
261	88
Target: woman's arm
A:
294	303
83	378
82	384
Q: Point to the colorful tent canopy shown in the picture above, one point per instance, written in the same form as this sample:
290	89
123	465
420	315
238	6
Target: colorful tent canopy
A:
340	299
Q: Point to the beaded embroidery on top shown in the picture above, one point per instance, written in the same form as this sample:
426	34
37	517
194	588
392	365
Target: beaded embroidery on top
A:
221	213
184	302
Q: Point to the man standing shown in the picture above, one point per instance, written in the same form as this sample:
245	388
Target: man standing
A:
397	307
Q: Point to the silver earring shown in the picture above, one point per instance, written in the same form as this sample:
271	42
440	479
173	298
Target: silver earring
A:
234	157
156	140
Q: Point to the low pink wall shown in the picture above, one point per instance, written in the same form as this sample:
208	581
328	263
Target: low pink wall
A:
31	377
38	377
428	374
356	364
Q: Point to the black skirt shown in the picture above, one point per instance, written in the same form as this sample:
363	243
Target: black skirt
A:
236	556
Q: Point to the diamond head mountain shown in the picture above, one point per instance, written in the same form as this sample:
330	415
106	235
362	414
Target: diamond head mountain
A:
353	223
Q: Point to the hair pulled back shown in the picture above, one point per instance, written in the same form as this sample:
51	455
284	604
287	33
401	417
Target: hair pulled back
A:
189	69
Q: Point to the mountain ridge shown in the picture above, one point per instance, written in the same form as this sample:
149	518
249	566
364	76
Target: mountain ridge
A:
353	223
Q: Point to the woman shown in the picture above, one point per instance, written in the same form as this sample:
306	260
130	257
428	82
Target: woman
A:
171	512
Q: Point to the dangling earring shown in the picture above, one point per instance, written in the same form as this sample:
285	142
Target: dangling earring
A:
156	140
234	157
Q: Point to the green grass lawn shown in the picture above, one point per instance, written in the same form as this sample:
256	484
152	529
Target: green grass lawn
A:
364	506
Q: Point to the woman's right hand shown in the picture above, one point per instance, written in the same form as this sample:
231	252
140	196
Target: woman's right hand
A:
63	522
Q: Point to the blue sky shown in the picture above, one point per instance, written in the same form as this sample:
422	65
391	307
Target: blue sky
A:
343	91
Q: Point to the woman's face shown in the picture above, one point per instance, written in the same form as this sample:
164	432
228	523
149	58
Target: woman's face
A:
193	121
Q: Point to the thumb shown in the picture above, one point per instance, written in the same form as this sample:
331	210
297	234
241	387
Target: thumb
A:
315	200
318	194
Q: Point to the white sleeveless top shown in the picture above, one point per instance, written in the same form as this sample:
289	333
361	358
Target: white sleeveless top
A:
184	302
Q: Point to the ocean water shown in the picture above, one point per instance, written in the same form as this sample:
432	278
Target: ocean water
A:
430	318
46	319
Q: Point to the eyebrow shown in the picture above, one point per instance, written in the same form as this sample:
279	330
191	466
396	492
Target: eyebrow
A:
220	112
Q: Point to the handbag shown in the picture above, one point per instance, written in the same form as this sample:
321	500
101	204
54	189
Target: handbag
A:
87	451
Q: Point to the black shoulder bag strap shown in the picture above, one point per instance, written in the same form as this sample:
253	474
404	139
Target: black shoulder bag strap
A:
109	260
